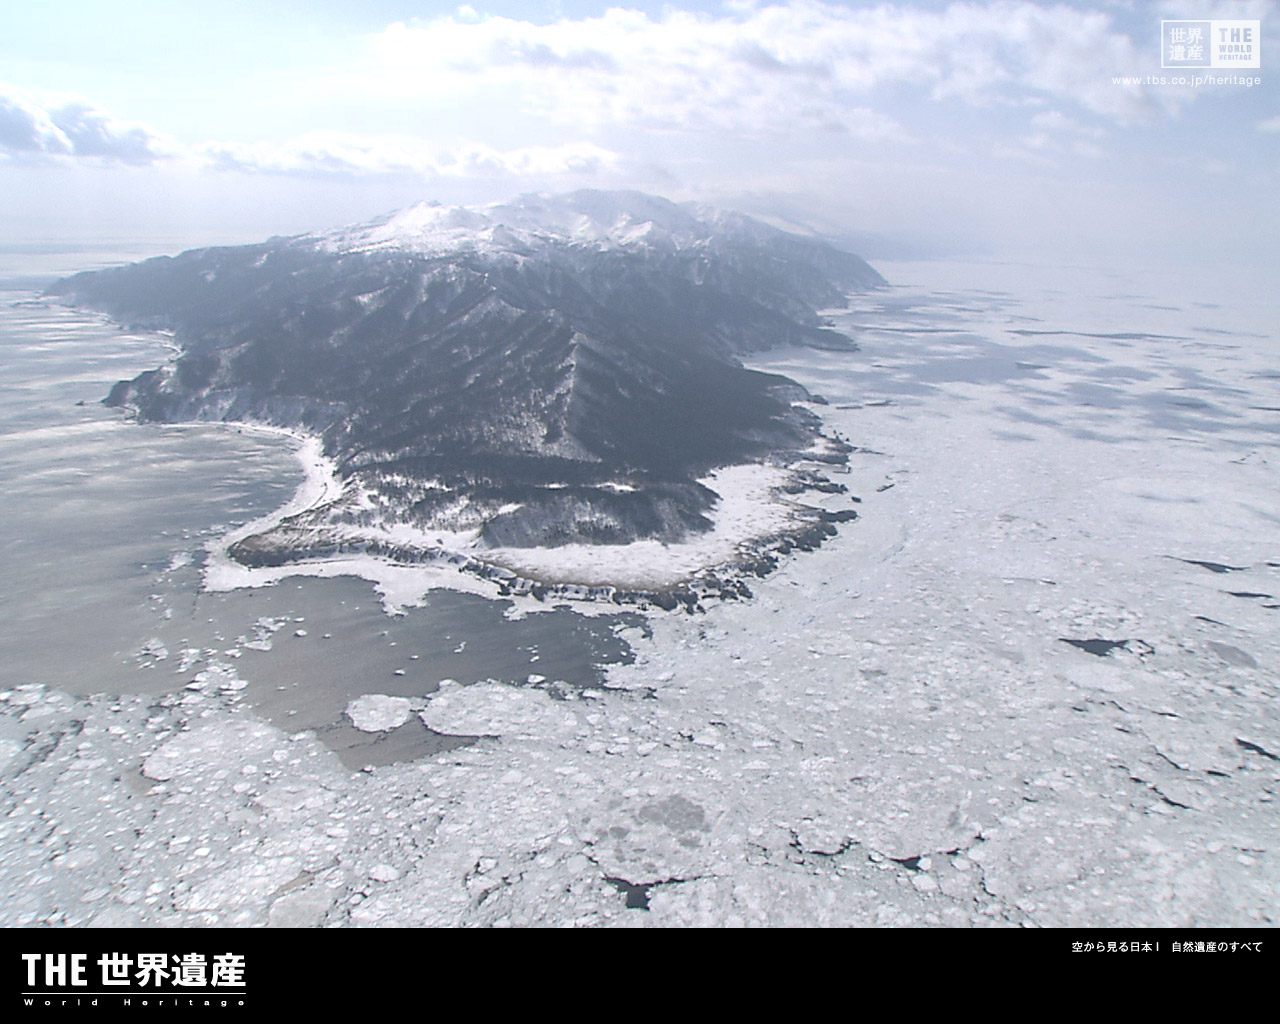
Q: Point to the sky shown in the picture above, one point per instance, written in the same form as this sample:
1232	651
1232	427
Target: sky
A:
1002	129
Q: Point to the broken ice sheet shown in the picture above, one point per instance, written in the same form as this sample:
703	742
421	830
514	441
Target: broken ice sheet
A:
889	732
377	712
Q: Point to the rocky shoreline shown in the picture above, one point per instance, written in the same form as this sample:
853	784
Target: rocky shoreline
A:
726	581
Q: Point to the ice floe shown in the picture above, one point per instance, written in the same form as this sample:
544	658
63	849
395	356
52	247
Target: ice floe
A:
377	712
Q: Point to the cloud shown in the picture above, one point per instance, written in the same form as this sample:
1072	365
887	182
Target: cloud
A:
1253	10
1271	124
27	128
337	154
768	68
52	125
1057	121
45	126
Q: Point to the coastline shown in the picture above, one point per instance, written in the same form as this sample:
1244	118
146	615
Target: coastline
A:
757	522
755	525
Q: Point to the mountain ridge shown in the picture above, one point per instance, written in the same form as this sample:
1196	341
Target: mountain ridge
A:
553	370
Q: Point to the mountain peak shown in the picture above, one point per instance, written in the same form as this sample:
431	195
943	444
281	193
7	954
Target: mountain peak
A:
589	218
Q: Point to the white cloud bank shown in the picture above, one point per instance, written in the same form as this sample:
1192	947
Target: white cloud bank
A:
977	123
340	154
765	69
57	125
43	127
584	88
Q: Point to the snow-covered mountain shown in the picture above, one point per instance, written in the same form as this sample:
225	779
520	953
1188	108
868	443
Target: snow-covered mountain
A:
588	218
555	369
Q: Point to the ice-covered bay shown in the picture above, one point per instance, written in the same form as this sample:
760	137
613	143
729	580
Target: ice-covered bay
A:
894	731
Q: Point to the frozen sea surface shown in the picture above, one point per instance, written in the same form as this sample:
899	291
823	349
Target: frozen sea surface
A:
1035	683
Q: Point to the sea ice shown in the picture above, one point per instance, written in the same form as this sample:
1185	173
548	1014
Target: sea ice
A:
377	712
890	732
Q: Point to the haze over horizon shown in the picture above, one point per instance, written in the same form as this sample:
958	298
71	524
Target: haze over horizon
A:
927	128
